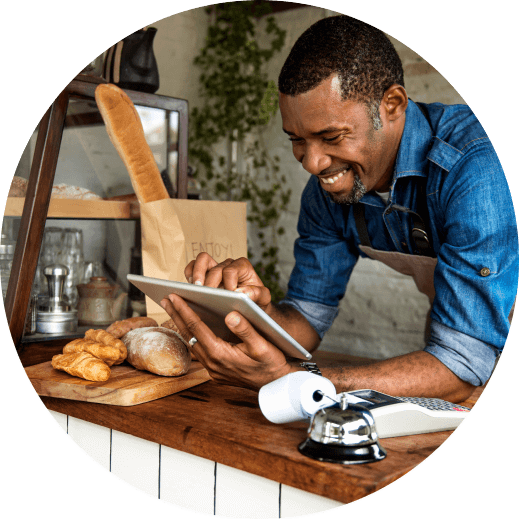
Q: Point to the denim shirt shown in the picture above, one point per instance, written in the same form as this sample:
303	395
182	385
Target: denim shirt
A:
472	227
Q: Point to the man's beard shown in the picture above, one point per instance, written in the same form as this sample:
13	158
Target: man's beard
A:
357	192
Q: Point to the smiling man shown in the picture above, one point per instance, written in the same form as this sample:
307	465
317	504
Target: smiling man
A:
418	187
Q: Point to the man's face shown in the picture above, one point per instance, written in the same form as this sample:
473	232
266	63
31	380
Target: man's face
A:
336	141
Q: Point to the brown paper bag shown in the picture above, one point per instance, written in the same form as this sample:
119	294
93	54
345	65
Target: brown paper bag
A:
175	231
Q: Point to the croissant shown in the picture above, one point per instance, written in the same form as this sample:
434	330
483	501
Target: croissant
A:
109	354
108	339
83	365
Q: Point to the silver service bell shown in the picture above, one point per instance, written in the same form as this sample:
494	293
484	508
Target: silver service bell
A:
343	433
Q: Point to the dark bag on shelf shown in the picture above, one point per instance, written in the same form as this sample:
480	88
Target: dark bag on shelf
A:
131	64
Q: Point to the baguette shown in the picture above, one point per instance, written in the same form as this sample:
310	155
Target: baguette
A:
125	130
108	354
120	328
83	365
108	339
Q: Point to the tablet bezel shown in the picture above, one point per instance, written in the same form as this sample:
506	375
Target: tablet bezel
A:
213	304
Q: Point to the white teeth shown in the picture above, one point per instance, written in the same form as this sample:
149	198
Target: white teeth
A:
333	179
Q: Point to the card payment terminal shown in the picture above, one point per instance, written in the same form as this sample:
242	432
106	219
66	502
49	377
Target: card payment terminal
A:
401	416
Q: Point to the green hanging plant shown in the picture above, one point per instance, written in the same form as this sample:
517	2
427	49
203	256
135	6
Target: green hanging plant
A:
227	147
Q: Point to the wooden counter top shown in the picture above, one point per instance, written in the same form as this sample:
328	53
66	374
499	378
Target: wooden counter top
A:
225	424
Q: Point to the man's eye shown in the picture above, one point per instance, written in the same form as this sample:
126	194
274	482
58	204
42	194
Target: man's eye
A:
331	139
295	139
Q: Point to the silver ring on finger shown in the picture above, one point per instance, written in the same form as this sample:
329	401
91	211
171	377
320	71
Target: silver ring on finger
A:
192	341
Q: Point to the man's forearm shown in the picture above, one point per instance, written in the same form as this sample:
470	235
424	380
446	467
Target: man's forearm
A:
295	324
417	374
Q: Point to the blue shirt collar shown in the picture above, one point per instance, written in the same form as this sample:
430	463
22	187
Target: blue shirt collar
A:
411	159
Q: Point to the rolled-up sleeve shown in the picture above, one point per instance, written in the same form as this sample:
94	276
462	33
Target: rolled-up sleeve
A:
324	259
319	316
470	359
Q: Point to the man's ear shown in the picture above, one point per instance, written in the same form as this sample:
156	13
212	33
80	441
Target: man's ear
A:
394	102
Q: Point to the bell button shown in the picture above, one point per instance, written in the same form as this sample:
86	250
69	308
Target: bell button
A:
485	271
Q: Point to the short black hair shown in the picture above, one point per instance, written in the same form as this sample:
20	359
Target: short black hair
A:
363	57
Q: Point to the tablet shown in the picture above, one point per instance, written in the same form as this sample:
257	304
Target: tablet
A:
213	304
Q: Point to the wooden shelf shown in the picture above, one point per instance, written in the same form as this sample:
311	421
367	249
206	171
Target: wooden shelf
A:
76	209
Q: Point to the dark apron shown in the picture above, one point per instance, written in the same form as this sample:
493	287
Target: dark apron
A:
419	267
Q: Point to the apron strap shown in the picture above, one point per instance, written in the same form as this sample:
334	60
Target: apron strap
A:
360	223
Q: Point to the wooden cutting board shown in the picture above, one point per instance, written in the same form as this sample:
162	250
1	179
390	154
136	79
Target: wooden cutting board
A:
126	386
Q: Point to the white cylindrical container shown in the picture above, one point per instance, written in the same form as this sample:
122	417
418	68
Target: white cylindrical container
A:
295	397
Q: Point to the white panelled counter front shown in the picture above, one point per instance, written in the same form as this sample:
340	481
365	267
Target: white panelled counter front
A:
210	449
187	480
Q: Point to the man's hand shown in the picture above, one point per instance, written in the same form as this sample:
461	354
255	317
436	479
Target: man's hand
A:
230	274
240	275
251	363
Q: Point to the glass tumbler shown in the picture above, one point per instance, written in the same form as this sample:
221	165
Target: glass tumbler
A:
49	254
72	256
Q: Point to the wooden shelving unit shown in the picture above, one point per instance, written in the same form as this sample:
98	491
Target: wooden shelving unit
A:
38	206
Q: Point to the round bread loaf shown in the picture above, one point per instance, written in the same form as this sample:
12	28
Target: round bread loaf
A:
18	187
158	350
73	192
170	324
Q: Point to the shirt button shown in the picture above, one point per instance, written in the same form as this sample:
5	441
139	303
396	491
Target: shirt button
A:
485	271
